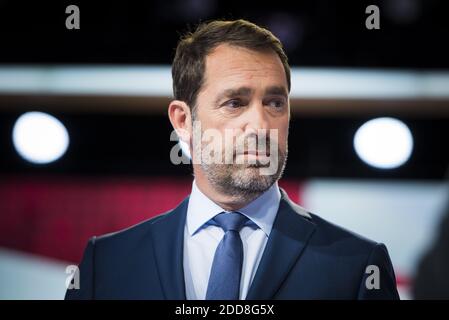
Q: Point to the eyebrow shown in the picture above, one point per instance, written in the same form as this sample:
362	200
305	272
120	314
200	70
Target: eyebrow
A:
246	91
242	91
277	90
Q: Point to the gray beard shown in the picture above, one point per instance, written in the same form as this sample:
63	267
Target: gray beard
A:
242	181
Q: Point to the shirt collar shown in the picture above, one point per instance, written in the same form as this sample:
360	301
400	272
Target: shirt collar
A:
262	211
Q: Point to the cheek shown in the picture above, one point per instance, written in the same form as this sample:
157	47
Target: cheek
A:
282	134
214	119
208	121
283	137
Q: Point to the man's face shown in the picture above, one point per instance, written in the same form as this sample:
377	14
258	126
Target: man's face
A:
244	95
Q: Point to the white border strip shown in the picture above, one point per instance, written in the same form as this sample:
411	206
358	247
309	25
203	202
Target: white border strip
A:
155	81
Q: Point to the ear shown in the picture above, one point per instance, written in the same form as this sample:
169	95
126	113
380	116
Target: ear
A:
181	119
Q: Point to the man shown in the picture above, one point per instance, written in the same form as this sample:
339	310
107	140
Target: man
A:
237	236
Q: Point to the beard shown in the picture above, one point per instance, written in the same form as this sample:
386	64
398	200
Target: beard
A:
244	180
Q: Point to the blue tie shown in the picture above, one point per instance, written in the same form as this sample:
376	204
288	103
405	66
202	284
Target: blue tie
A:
224	280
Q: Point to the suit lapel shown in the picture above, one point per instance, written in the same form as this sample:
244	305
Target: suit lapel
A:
291	231
168	242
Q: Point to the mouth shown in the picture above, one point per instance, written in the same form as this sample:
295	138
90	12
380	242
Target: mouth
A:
255	153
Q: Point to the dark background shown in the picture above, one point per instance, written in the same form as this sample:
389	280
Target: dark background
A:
413	33
320	33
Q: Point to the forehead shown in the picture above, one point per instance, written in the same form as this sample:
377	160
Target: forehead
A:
229	65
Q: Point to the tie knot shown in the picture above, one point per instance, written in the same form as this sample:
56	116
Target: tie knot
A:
232	221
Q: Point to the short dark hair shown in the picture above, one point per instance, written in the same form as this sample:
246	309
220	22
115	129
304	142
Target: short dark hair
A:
189	64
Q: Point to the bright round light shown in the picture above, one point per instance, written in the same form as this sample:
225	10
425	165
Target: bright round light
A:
39	137
384	143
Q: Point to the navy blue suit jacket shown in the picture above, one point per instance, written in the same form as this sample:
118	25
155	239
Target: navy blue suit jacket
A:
305	257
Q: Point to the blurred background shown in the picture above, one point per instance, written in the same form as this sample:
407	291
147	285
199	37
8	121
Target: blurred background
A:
85	139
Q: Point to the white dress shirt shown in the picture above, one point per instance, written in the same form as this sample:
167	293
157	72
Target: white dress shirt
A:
201	239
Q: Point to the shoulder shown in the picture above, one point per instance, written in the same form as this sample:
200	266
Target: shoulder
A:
330	232
331	236
339	246
138	232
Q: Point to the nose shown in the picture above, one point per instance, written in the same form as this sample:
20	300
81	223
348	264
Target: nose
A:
257	119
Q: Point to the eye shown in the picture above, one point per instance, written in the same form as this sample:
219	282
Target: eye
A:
276	103
233	104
